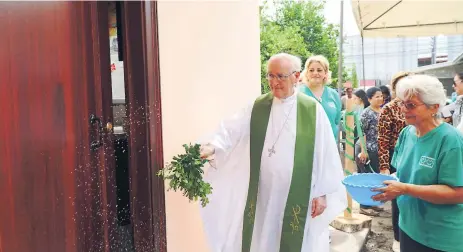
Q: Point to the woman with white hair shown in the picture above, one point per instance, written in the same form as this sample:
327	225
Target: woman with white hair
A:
315	76
429	161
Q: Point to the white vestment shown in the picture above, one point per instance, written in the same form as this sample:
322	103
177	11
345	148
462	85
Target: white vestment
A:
223	216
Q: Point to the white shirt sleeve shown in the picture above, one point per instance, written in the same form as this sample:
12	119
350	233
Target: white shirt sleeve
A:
460	126
327	173
232	130
447	111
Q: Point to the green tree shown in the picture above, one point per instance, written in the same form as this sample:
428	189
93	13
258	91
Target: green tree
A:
276	39
273	39
354	78
296	20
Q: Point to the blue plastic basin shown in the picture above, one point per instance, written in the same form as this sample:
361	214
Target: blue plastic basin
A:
359	186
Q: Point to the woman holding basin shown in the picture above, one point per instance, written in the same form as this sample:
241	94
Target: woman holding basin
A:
429	161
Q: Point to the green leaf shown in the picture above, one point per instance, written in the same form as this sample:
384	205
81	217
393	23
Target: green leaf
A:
186	174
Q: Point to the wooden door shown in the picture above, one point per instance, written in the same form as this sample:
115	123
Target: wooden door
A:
143	99
56	194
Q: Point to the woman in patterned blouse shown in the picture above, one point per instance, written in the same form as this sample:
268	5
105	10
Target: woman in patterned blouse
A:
390	124
369	121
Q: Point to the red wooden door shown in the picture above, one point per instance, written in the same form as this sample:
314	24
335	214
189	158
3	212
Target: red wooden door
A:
56	194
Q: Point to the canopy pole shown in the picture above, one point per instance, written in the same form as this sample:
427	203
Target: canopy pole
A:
363	63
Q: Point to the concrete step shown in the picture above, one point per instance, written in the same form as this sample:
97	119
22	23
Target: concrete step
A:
348	242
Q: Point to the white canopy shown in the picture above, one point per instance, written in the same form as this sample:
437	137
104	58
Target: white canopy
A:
408	18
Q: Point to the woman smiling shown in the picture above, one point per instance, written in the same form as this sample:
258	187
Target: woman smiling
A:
315	77
429	161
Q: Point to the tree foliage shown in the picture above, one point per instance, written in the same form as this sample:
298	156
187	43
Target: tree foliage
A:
299	28
353	77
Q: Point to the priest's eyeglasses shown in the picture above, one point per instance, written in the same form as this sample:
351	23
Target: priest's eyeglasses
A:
279	76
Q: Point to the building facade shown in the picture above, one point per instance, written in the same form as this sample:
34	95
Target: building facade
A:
384	57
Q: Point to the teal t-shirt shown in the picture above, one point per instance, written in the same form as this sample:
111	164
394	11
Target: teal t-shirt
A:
435	158
331	103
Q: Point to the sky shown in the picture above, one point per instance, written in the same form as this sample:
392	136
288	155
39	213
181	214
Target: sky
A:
332	13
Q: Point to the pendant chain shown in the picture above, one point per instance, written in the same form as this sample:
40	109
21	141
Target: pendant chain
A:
272	150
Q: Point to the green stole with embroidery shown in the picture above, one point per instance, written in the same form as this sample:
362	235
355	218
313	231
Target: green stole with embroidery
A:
296	209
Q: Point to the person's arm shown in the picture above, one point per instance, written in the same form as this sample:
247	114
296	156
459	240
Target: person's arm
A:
364	127
384	138
228	133
447	119
339	107
436	194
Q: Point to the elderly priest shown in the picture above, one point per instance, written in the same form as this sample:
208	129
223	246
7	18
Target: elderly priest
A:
277	177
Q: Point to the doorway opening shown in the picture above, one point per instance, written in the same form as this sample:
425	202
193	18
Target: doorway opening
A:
125	229
137	117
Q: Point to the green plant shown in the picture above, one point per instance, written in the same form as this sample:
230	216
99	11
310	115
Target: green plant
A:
354	78
185	173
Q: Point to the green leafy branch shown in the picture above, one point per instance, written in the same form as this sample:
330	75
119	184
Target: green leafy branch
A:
185	173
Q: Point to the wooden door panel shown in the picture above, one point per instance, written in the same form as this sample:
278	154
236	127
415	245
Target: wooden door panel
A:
142	80
52	186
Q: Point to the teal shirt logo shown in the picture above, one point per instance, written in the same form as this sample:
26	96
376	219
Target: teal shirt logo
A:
427	162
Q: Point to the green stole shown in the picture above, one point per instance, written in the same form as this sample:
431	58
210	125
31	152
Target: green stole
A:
299	193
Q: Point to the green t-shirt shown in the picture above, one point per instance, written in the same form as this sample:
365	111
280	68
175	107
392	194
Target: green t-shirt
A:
435	158
331	103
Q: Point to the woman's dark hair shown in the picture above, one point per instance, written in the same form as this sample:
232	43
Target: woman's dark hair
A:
360	93
460	76
385	90
372	91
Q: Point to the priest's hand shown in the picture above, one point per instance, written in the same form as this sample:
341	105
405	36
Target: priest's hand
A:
206	150
318	206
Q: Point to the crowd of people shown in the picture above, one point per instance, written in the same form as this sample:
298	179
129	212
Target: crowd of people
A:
411	132
277	186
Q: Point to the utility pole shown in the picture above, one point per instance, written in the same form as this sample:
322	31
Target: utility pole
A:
404	52
433	51
341	38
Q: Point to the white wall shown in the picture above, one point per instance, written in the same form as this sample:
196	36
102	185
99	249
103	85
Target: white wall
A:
210	67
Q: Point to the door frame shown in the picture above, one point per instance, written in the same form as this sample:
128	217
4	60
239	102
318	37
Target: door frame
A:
143	109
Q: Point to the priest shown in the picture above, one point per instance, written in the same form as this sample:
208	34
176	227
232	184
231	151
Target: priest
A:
277	174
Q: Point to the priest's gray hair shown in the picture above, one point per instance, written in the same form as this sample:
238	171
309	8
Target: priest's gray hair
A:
426	88
296	62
